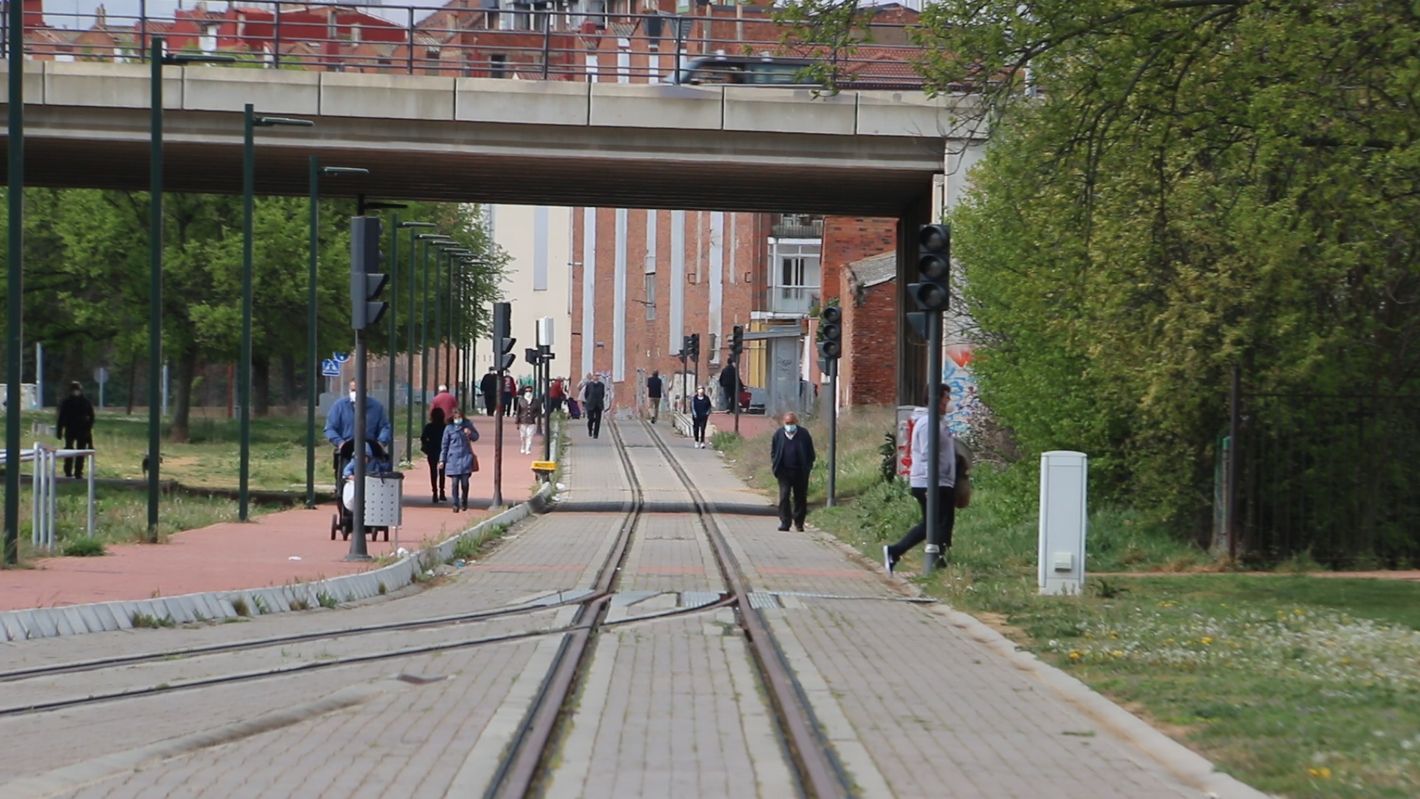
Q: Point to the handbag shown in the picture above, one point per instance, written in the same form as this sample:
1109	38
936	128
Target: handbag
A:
474	468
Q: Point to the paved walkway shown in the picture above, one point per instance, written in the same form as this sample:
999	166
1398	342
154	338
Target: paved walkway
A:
915	701
272	549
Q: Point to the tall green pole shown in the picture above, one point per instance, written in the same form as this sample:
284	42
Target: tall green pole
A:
155	278
438	331
244	364
424	336
14	279
313	374
409	353
393	323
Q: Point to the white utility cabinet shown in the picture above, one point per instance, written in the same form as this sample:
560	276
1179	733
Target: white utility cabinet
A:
1062	522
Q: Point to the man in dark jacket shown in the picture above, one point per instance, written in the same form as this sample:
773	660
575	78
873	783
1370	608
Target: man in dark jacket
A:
653	395
76	427
594	400
489	386
730	386
791	458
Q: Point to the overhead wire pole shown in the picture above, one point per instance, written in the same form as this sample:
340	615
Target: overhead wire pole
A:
15	201
249	124
414	238
393	324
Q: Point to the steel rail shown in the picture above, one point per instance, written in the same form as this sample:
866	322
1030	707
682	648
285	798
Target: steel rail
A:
518	771
95	664
822	774
353	660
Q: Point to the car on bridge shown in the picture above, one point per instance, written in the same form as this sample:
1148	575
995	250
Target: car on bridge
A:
766	70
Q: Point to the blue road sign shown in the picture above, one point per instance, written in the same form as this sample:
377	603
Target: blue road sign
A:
330	368
340	357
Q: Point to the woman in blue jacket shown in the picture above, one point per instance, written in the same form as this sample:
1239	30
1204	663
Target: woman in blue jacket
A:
456	457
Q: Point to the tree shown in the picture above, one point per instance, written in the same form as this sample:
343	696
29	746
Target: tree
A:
1173	189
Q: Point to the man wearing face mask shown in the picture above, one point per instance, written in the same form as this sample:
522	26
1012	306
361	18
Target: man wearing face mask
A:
340	423
791	458
699	416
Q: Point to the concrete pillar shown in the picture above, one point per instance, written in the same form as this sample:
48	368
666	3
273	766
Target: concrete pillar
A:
618	308
589	289
676	327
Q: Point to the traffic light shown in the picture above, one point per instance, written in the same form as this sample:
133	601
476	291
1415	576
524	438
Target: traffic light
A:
695	346
503	340
532	356
737	342
830	333
685	348
932	292
366	279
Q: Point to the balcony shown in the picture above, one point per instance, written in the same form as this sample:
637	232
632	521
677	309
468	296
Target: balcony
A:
790	227
794	300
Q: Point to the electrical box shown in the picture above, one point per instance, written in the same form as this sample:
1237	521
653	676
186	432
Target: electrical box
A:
1062	522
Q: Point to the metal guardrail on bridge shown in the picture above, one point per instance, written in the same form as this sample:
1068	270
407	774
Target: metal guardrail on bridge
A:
522	44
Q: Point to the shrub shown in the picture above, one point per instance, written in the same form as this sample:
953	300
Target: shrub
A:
84	548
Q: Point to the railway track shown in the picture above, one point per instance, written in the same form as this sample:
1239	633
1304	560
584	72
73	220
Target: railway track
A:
819	773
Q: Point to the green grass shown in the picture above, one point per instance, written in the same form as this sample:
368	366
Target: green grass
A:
1301	686
121	516
210	458
84	548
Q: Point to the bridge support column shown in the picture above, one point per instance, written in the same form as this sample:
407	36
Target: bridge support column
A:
911	350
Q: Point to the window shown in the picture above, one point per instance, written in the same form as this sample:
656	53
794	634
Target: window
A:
714	348
650	296
792	273
498	65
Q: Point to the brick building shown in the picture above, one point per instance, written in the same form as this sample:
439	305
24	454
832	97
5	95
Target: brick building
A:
868	298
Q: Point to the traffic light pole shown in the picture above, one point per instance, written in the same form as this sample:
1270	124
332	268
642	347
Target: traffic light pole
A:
312	365
155	279
832	431
357	451
393	331
498	442
14	270
934	439
244	364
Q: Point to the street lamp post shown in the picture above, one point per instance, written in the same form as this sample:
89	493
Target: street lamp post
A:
394	317
157	60
313	375
414	239
250	121
451	328
15	200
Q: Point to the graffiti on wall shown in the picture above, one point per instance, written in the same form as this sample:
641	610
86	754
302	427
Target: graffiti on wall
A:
956	373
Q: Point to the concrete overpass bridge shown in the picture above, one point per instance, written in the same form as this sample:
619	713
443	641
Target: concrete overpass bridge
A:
745	148
726	148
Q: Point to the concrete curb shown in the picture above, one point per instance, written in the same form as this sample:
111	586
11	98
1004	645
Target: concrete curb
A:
22	625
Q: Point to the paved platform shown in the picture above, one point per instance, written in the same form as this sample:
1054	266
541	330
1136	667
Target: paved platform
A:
272	549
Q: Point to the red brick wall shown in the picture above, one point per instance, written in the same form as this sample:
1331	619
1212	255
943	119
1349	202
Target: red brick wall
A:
851	238
868	371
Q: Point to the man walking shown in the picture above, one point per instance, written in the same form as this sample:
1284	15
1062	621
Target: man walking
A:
445	402
791	458
340	423
594	402
653	395
917	480
76	427
730	386
489	386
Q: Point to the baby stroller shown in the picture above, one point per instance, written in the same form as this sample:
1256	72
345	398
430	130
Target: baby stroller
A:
343	522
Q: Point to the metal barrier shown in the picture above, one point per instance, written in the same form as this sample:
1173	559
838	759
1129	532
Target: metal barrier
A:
44	496
526	44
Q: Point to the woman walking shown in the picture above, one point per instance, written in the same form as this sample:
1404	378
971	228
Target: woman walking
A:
528	415
700	416
456	457
430	443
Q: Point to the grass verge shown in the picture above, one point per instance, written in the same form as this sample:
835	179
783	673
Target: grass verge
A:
1299	686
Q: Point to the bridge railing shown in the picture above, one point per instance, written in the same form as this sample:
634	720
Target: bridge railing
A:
518	43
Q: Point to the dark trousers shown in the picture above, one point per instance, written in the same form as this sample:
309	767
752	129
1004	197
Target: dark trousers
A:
594	420
793	498
698	424
436	476
555	403
490	403
946	519
459	483
74	467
